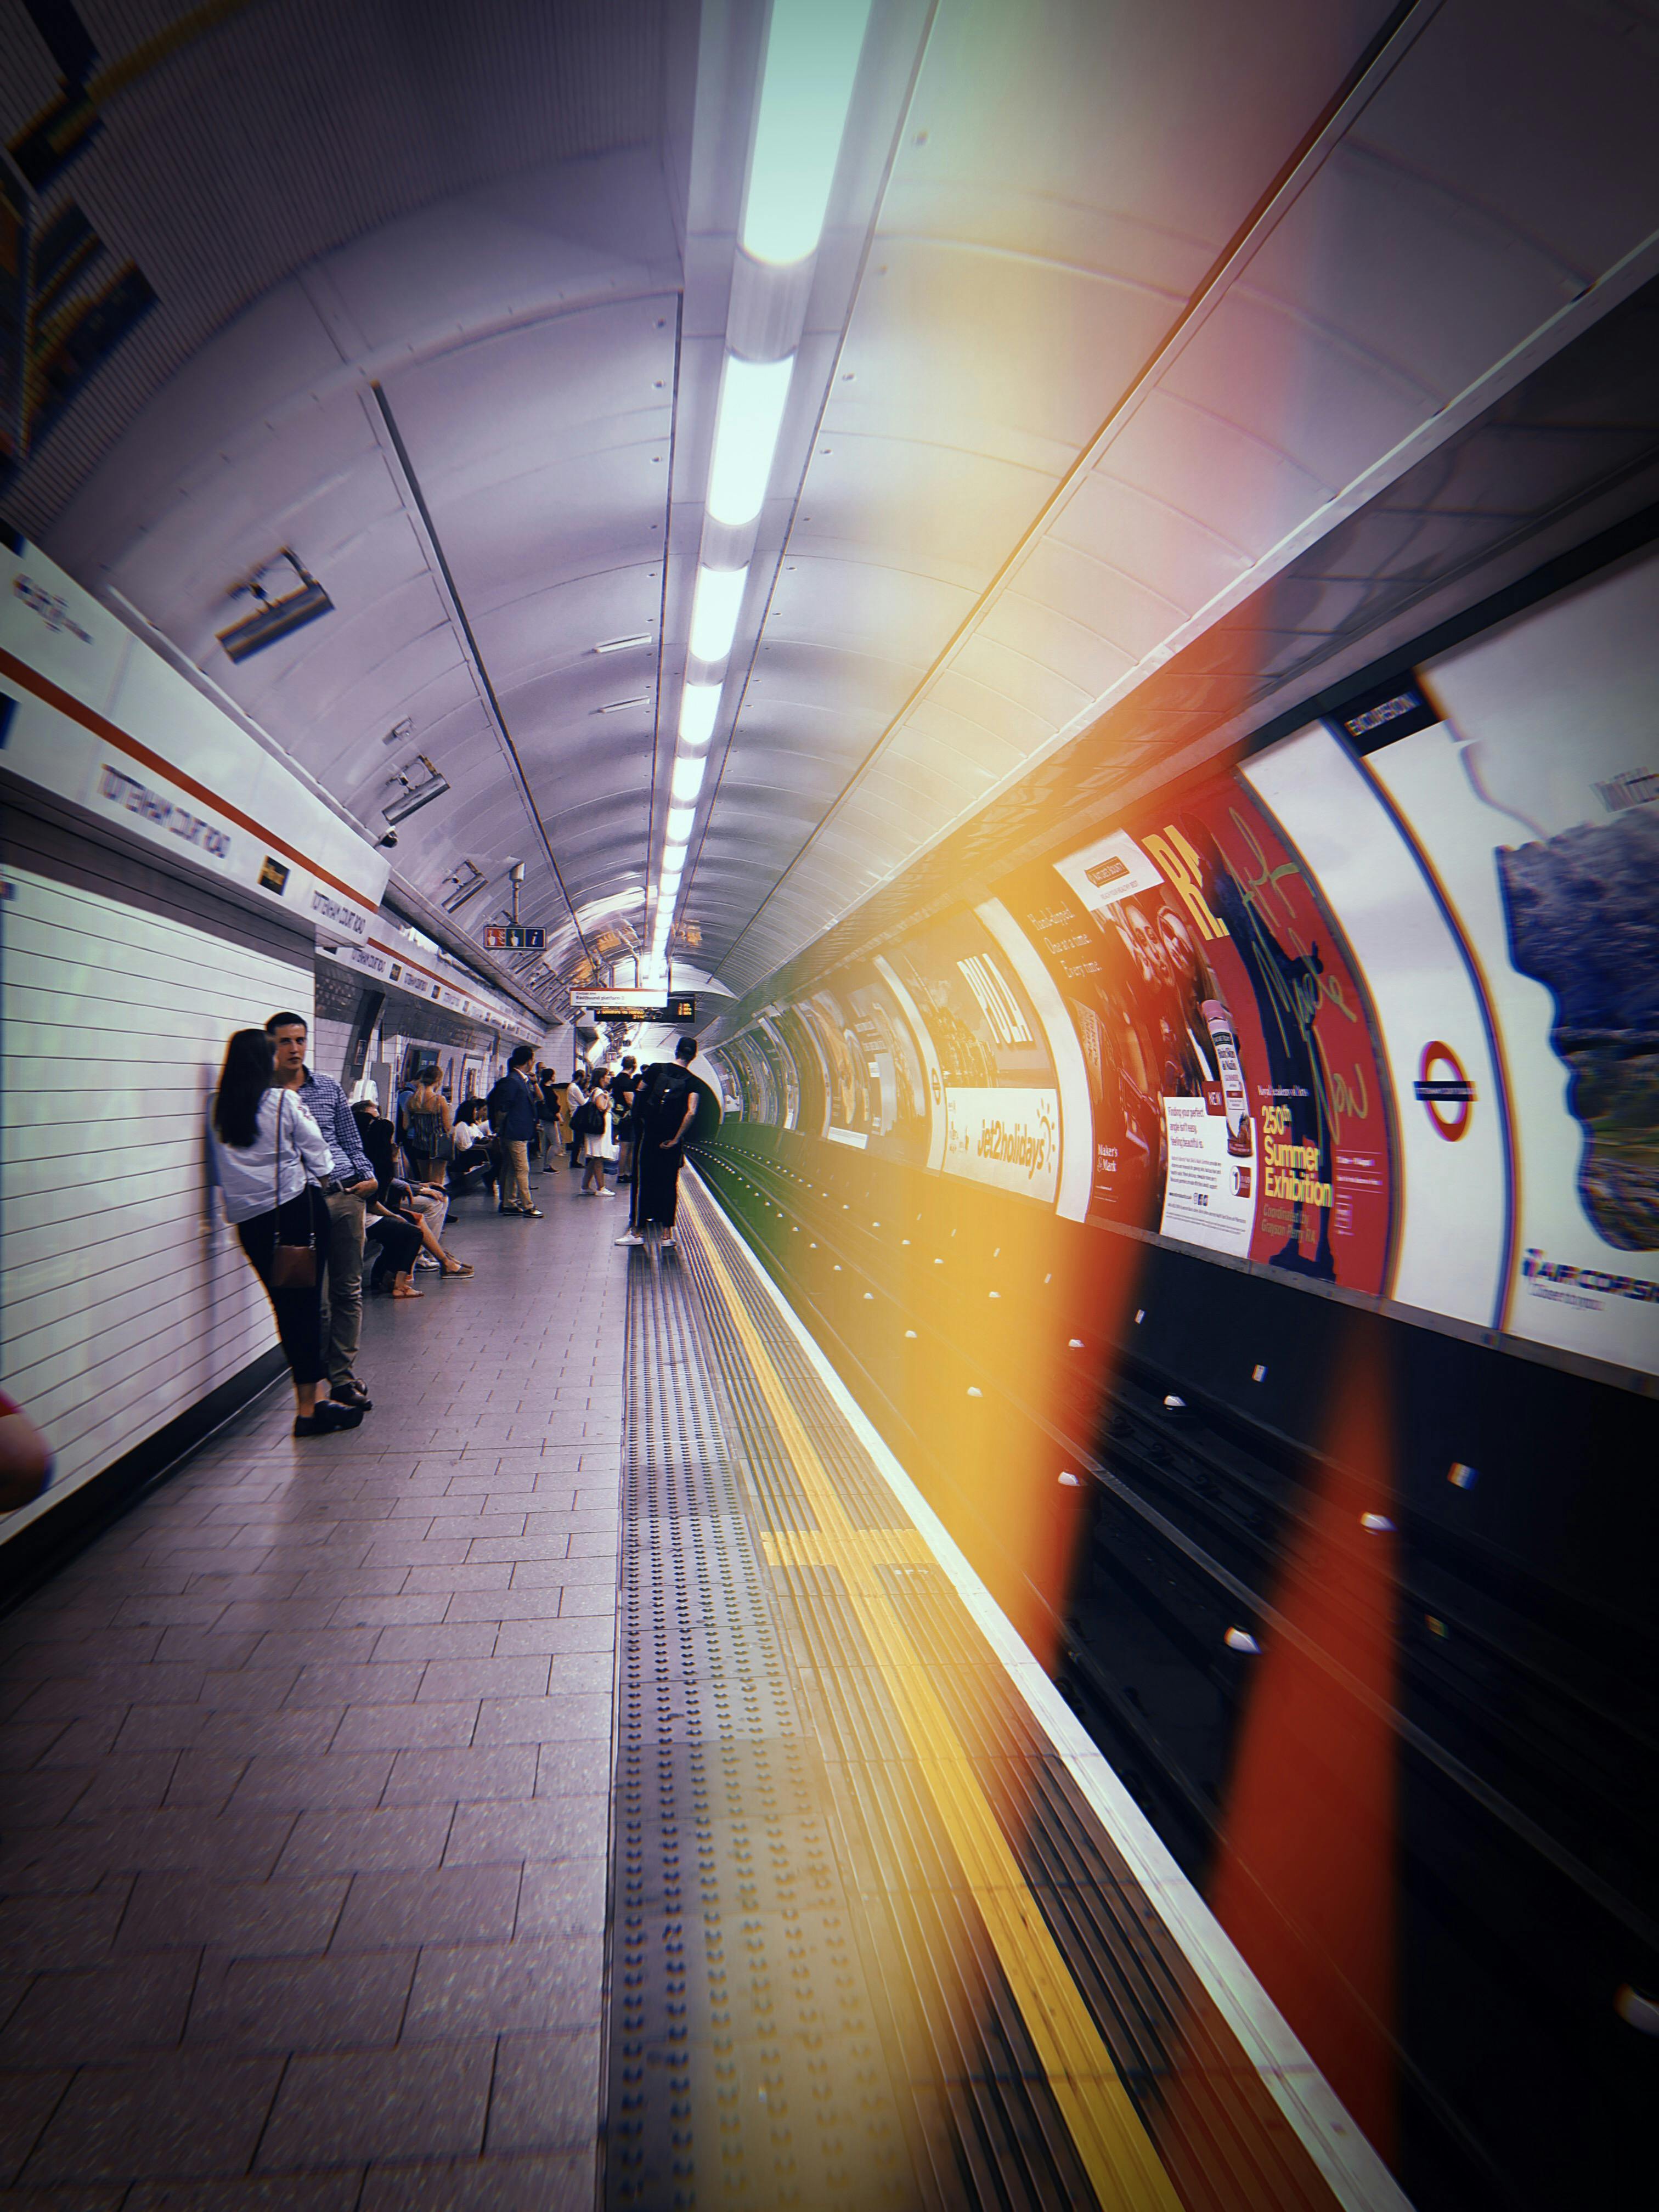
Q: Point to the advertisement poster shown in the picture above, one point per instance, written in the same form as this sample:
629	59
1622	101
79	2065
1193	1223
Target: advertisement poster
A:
1534	801
1452	1197
898	1082
1000	1117
1008	1138
1237	1084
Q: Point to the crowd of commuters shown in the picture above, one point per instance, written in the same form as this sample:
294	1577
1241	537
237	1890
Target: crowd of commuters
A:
317	1187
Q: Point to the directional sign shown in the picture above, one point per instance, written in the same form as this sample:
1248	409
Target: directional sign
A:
509	937
682	1004
675	1012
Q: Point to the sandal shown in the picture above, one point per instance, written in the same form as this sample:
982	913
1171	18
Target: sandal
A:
410	1293
459	1267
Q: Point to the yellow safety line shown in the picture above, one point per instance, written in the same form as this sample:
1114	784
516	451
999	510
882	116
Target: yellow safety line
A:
1122	2163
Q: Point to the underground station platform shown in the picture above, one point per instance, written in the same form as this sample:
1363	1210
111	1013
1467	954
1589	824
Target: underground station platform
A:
884	1929
597	1779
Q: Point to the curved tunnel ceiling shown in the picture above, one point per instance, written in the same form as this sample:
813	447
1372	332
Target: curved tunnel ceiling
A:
1117	311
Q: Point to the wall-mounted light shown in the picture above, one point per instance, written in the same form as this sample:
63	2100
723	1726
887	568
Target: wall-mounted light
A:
464	887
274	617
416	795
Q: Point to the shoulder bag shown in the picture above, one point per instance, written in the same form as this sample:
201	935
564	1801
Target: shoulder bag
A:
293	1266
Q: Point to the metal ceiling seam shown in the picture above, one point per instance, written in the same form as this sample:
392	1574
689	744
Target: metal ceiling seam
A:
1408	21
423	517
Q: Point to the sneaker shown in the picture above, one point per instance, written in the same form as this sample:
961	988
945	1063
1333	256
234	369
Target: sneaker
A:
633	1237
426	1265
531	1212
665	1242
607	1194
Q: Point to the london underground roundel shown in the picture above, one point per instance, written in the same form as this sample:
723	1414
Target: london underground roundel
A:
1444	1088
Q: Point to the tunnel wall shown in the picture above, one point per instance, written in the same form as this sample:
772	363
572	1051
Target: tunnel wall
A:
1373	1008
167	881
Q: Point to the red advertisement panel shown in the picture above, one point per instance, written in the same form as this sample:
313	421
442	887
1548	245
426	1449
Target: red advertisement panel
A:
1238	1089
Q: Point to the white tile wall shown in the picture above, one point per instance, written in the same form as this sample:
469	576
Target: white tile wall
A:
327	1049
121	1303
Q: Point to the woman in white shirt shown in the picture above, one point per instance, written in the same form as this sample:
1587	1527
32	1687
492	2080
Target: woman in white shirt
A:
270	1160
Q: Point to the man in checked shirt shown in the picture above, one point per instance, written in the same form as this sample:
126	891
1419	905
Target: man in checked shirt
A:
325	1102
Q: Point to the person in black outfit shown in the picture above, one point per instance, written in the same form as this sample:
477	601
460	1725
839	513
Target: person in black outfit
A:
273	1169
623	1091
665	1113
396	1234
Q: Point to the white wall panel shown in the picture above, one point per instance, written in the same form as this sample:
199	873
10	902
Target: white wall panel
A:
123	1302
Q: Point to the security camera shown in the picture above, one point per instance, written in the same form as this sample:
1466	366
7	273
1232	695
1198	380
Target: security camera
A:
390	838
516	871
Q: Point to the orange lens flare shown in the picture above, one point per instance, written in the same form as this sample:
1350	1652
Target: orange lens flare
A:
1305	1875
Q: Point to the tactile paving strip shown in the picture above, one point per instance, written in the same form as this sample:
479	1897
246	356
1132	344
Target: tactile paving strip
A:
807	2003
744	2063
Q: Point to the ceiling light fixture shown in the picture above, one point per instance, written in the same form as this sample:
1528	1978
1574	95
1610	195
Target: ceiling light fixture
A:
714	612
680	819
416	795
811	60
699	706
622	644
618	706
688	777
752	398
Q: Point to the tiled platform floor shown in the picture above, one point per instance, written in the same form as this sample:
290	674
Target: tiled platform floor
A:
304	1782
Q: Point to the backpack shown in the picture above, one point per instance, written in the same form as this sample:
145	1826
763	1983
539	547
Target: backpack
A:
665	1108
499	1098
427	1137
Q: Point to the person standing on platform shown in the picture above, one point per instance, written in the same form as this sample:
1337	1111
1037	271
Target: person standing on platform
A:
623	1092
325	1102
272	1166
667	1113
512	1107
575	1097
599	1147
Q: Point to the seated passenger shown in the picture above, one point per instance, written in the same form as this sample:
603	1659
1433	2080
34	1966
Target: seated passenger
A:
396	1226
473	1159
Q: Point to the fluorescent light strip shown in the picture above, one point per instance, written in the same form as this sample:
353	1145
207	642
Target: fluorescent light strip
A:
752	396
687	778
714	612
700	704
812	49
680	819
622	644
